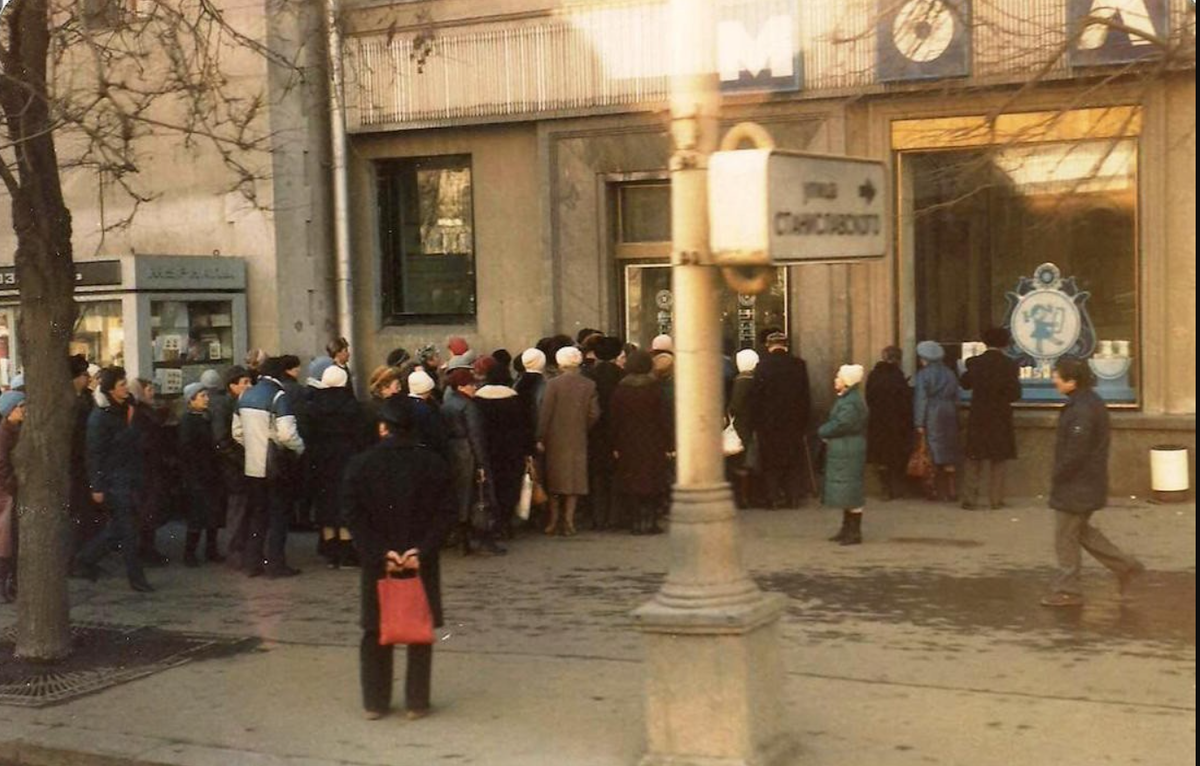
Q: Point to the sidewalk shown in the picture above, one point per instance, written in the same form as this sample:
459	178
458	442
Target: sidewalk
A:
924	646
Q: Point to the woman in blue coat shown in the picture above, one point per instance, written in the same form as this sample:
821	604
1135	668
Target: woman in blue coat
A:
845	436
936	393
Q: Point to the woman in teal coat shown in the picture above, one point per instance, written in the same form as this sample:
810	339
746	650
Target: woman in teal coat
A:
845	436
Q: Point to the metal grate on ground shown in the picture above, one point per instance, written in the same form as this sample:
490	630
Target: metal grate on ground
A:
105	656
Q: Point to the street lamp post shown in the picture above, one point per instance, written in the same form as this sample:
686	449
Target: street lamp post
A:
714	688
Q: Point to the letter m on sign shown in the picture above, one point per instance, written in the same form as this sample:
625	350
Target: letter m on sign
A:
1117	31
758	45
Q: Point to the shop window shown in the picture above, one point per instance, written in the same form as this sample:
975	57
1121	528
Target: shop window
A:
100	333
427	237
642	219
187	338
988	225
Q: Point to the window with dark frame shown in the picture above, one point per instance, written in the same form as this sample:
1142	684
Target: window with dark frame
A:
427	239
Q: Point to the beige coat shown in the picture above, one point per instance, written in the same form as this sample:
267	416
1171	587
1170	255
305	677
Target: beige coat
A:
569	409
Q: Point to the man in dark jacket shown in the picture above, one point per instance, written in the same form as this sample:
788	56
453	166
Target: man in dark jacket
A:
115	453
1079	487
399	505
232	460
889	421
605	373
85	516
995	382
782	408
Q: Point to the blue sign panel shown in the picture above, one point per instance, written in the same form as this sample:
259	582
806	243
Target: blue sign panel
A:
1116	31
923	39
758	45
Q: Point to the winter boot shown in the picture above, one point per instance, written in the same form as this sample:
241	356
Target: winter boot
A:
211	552
841	534
189	548
853	534
334	553
148	551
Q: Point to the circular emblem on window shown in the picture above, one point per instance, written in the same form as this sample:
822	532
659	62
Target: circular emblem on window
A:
1046	323
747	301
664	300
923	30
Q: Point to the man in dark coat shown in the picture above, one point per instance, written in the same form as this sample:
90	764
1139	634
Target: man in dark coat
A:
85	515
1079	487
640	439
605	373
399	505
889	422
201	473
115	465
995	382
231	460
782	407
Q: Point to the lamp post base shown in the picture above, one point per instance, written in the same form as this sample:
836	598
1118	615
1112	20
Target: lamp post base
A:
714	693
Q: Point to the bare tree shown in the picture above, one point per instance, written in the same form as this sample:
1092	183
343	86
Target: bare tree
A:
84	86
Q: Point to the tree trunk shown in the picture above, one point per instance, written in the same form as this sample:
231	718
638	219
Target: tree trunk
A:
46	275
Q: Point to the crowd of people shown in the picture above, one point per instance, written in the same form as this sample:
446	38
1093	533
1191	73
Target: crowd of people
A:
461	449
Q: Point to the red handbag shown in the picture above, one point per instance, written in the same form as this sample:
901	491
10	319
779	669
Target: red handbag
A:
404	614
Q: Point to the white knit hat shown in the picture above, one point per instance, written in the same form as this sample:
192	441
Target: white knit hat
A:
663	344
419	383
747	360
851	374
569	356
334	377
533	360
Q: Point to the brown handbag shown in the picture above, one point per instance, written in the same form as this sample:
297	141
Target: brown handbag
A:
539	492
920	464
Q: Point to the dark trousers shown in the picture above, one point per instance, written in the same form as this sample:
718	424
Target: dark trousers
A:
974	484
122	530
238	523
1073	534
268	510
375	669
785	484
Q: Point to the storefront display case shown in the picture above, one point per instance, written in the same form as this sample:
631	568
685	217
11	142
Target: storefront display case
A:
163	318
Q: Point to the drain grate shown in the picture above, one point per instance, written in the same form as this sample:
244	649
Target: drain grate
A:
104	656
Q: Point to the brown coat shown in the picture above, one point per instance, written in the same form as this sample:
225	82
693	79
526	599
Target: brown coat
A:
641	435
569	409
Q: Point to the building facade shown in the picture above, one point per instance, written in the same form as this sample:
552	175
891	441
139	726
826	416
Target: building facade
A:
510	181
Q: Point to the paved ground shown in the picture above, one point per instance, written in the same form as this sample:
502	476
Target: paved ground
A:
924	646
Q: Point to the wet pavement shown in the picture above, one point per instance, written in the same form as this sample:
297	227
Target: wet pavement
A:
930	630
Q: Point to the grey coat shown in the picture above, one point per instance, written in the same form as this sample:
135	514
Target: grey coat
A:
569	409
935	409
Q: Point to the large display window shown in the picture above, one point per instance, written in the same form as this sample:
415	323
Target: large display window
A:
1030	223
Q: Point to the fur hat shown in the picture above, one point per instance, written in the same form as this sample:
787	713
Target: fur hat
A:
192	390
569	356
608	348
747	360
211	379
460	377
9	401
931	351
334	377
419	383
777	339
93	370
458	346
638	363
851	374
463	361
663	344
317	368
533	360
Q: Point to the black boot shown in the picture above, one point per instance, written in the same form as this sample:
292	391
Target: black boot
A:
148	551
334	553
853	534
211	552
464	532
841	533
189	548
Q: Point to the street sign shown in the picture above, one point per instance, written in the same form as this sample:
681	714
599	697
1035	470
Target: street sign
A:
775	206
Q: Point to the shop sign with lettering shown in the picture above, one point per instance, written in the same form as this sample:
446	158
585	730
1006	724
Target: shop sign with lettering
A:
758	45
769	205
87	274
1116	31
923	39
160	272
